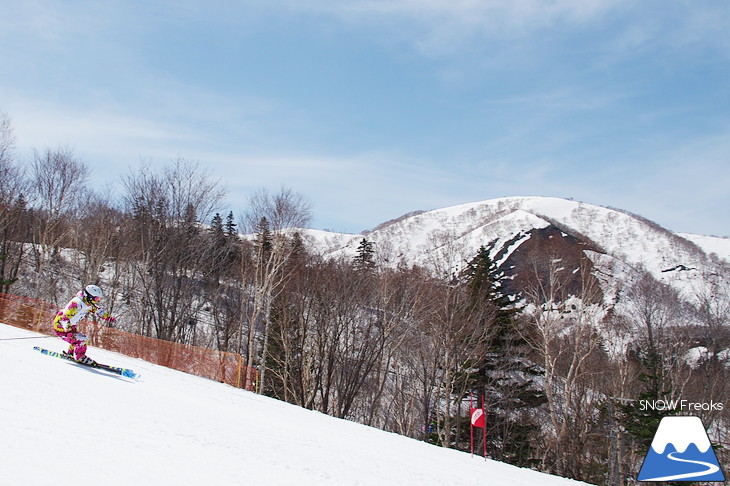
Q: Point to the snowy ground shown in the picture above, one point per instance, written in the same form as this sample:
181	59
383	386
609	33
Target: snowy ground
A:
64	424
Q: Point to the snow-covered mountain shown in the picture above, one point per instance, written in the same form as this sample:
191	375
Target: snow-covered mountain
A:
65	424
444	239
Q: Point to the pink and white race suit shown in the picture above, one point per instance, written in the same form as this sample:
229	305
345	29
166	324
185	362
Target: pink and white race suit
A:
67	319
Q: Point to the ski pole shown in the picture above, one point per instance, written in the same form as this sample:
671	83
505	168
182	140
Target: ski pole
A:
34	337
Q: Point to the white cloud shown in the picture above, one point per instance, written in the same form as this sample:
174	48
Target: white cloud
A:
38	126
523	78
516	12
442	28
445	18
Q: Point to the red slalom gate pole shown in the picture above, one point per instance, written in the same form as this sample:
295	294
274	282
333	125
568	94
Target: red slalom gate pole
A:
471	423
484	411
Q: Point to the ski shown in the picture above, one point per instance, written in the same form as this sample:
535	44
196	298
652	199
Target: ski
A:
126	372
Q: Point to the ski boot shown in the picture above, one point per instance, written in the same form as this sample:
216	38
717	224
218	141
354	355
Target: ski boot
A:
85	360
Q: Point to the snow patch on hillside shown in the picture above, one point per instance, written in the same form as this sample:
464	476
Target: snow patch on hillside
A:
711	244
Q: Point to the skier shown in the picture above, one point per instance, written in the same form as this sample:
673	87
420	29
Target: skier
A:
66	321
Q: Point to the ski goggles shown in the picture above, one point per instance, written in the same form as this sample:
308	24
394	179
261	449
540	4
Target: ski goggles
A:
93	298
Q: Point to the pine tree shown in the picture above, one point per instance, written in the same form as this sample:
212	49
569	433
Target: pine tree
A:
506	376
641	422
216	251
230	227
216	226
485	281
364	258
263	240
298	255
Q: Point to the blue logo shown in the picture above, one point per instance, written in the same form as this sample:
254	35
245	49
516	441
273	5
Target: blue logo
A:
681	451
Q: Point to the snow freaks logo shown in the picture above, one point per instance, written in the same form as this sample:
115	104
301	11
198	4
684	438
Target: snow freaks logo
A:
681	451
680	405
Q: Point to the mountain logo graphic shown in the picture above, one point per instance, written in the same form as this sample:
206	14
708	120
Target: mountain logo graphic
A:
681	451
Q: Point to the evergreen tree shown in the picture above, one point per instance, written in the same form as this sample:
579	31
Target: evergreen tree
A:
263	239
297	257
216	226
364	258
191	222
216	251
485	281
230	227
642	424
233	242
506	377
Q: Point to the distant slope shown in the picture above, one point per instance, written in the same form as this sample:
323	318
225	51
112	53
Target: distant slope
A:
64	424
711	244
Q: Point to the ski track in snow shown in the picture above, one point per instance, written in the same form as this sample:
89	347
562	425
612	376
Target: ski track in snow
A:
65	424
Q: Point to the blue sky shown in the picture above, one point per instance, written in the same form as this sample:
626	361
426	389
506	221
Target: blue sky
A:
374	108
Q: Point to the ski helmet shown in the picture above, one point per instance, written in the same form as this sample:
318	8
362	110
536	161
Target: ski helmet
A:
93	293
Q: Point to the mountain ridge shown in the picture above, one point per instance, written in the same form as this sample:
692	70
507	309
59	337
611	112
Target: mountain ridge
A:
444	239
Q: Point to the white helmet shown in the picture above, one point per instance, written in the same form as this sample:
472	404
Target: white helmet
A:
93	293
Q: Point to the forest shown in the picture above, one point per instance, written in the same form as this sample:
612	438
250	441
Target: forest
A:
570	381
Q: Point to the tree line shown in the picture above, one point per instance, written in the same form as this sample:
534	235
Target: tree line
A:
562	367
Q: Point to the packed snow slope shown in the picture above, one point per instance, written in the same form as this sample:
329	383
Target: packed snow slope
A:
65	424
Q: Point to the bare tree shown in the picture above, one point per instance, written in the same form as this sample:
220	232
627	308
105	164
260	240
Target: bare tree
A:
458	339
167	255
309	323
58	183
335	339
563	332
271	216
618	384
713	316
93	241
659	317
710	342
653	331
397	295
14	224
7	139
100	246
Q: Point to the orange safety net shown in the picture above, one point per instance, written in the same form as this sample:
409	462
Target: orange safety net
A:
221	366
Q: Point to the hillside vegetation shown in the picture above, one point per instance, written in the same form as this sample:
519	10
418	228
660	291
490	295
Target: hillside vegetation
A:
565	317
